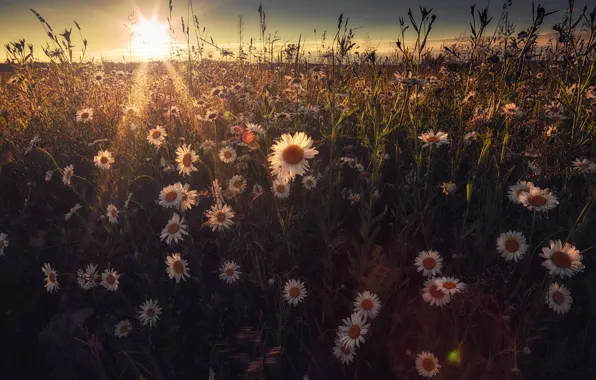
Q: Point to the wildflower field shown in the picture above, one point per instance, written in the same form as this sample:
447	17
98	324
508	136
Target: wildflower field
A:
277	213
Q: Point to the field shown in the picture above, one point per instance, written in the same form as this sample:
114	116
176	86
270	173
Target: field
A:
285	214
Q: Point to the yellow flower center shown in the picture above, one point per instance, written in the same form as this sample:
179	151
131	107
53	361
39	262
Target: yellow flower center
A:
281	188
436	292
51	277
428	364
156	134
178	267
294	292
114	212
354	331
537	200
432	139
85	115
561	259
227	154
230	272
511	245
429	263
173	228
187	159
124	328
171	196
558	297
221	217
366	304
111	279
238	184
449	285
150	312
103	160
293	154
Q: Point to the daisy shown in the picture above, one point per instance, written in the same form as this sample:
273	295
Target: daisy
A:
103	160
109	280
157	136
353	330
85	115
189	198
343	352
448	187
584	165
427	364
236	130
177	267
562	259
67	174
257	190
220	217
149	313
87	278
49	175
367	304
171	196
512	245
122	329
112	213
433	295
450	285
294	292
309	182
227	154
51	278
430	263
74	209
131	111
538	199
174	229
229	272
237	184
281	188
559	298
470	136
207	145
516	190
3	243
290	155
353	197
255	128
185	159
510	110
98	77
430	138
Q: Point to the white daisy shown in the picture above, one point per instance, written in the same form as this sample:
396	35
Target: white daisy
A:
257	190
237	184
103	160
4	242
256	129
433	295
185	157
511	110
72	211
189	198
512	245
157	136
229	272
538	199
122	329
343	352
281	188
430	138
470	136
309	182
584	165
290	155
430	263
149	313
450	285
220	217
171	196
207	145
87	278
516	190
367	304
51	278
112	213
353	330
227	154
427	364
49	175
562	259
174	229
294	292
177	267
67	174
84	115
559	298
109	279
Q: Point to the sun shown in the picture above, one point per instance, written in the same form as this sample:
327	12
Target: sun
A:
150	39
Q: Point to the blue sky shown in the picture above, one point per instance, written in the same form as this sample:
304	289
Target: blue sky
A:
102	20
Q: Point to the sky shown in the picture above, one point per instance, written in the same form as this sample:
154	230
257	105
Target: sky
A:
102	21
